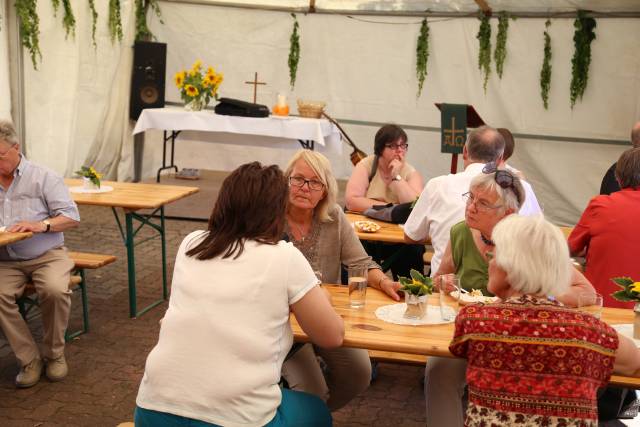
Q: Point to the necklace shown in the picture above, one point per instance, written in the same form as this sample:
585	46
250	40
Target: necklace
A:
486	241
299	229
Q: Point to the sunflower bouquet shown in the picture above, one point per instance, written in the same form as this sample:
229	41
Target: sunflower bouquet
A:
90	174
630	289
198	87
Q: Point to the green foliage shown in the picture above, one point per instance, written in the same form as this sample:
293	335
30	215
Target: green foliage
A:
545	72
142	29
29	28
68	20
484	53
500	52
582	37
56	6
115	20
94	20
90	173
422	54
417	284
294	52
629	292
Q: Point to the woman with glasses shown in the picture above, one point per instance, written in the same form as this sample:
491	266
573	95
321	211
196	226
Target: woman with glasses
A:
316	225
492	196
382	178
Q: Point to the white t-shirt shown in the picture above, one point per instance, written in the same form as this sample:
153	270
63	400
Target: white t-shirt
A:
225	334
441	206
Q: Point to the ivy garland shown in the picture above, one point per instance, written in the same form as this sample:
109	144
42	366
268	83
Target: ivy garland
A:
56	6
484	53
500	52
29	28
142	29
545	73
68	20
115	20
582	38
422	55
94	20
294	52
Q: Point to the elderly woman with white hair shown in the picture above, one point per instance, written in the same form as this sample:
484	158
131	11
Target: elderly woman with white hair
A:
532	360
492	196
316	225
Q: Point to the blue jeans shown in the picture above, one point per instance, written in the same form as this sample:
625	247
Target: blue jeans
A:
296	409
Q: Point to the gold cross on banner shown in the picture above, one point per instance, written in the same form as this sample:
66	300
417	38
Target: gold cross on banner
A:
255	84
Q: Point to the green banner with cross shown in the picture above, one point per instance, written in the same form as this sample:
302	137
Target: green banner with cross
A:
454	128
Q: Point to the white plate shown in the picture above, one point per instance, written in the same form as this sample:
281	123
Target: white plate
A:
102	189
626	329
470	299
394	313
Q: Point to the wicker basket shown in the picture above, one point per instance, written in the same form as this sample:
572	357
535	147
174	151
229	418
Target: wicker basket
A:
310	109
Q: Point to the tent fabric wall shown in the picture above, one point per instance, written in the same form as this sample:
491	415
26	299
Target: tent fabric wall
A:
365	71
5	99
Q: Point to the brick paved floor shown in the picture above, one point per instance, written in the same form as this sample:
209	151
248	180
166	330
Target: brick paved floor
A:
106	364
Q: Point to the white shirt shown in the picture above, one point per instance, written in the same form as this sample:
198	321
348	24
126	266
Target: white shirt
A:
441	206
225	335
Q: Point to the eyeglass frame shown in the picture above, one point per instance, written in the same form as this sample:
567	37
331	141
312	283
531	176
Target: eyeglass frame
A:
482	207
503	178
395	147
306	181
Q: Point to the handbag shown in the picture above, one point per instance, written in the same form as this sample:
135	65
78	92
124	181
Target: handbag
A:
398	214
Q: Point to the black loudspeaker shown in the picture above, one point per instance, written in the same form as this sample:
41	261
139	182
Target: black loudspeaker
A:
148	77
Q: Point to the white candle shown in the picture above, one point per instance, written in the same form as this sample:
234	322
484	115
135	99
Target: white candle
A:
282	100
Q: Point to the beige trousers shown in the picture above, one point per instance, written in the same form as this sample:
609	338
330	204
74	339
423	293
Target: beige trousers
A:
50	273
348	373
444	383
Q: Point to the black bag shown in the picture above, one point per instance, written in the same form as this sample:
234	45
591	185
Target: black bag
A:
236	107
397	214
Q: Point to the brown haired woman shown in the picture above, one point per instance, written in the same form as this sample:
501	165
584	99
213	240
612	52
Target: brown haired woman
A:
226	332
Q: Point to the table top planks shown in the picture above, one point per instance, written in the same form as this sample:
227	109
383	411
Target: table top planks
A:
131	195
6	238
364	330
389	232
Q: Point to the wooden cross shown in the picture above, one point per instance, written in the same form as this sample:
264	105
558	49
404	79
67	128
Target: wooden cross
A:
255	84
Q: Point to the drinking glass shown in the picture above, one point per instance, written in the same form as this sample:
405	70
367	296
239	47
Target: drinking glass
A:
448	287
591	303
357	285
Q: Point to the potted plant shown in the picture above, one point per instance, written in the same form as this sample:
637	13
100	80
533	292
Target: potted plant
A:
416	289
196	88
90	178
630	292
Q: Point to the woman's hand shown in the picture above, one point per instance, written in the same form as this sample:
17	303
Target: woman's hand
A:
390	288
395	166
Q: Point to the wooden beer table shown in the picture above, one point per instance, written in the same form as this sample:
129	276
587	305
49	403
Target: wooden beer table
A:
364	330
6	238
131	197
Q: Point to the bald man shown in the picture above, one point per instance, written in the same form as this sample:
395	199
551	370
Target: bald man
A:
609	184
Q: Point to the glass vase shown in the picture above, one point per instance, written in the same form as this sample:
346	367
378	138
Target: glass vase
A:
636	321
416	306
87	184
196	104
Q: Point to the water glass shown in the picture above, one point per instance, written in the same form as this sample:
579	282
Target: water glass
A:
448	288
591	303
357	285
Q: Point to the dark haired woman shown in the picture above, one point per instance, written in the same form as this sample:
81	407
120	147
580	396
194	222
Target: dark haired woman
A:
226	332
385	177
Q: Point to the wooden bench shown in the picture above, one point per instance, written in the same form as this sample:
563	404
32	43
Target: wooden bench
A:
82	261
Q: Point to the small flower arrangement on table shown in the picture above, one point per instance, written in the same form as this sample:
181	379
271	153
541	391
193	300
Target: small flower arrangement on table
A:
630	292
417	289
90	177
197	88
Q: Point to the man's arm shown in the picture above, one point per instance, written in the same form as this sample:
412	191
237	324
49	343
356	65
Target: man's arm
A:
58	223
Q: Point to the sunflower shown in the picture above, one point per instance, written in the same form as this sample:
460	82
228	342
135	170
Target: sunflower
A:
197	65
179	78
191	91
635	287
209	80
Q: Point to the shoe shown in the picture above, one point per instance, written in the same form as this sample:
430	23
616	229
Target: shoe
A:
57	369
29	374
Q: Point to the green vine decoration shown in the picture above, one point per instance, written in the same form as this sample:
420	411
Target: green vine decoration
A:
294	52
29	28
484	54
500	52
56	6
422	55
582	38
142	7
115	20
94	20
545	73
68	20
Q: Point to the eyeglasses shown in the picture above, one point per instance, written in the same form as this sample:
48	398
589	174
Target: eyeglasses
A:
396	147
504	178
313	184
481	205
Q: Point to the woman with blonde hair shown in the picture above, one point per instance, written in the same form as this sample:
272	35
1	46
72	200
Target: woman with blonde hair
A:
316	225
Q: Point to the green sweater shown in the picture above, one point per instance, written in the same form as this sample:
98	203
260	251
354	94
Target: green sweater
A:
471	267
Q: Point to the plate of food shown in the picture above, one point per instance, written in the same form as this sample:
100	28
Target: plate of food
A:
366	226
473	296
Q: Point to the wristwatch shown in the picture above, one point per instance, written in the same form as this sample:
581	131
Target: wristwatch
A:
397	178
47	224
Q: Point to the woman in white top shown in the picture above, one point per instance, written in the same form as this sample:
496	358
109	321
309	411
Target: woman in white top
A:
226	331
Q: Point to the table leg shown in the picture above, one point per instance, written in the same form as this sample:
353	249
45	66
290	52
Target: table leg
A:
165	139
165	291
131	263
307	144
